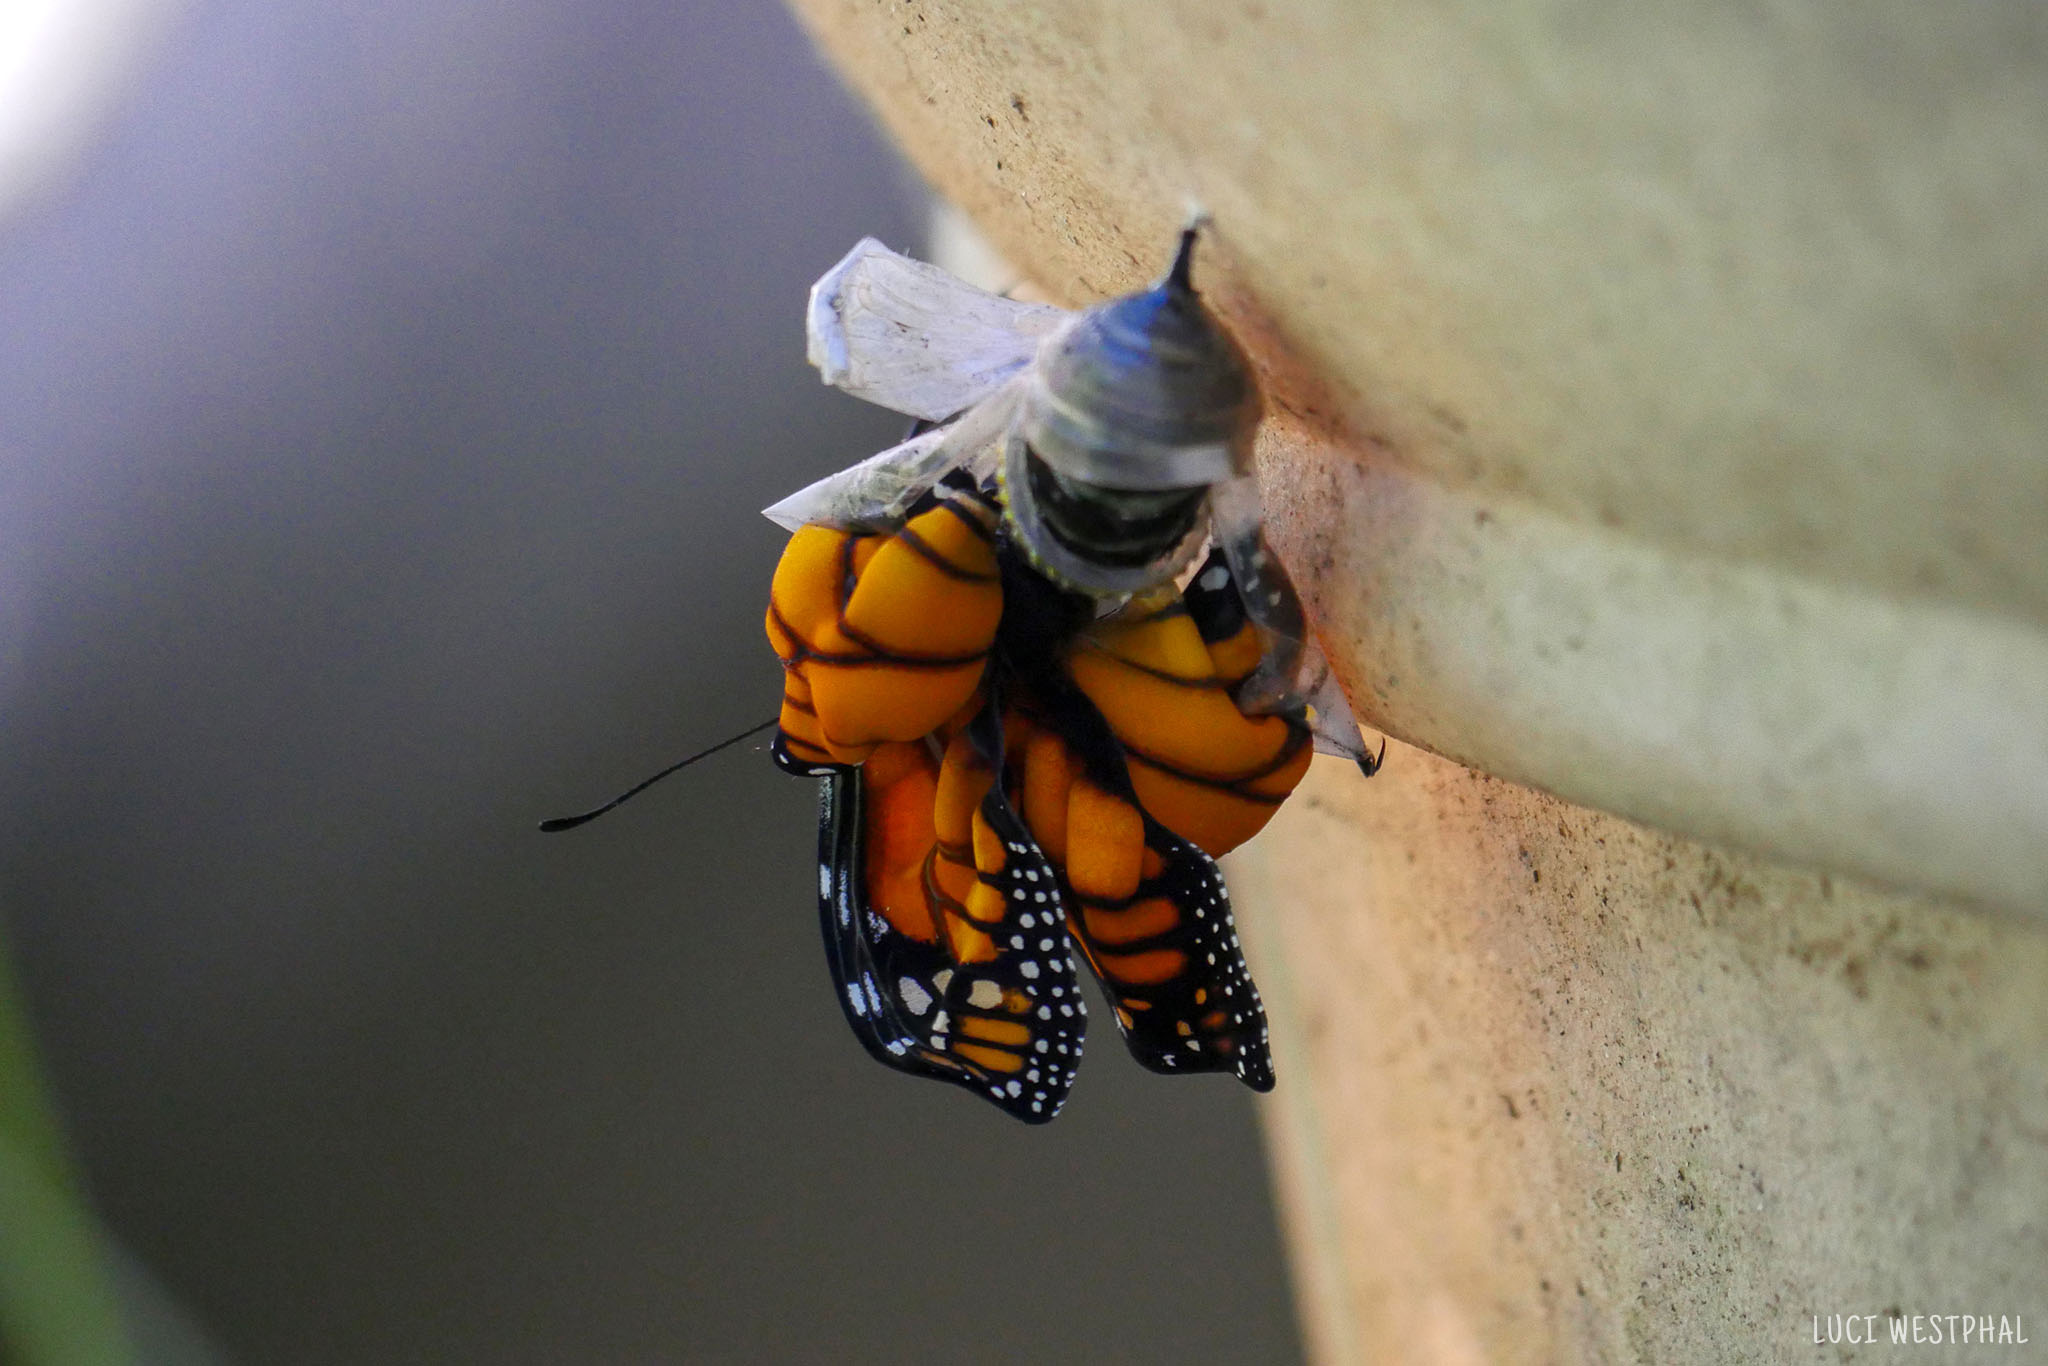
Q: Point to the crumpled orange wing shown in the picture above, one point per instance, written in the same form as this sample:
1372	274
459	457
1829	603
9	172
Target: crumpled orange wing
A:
1162	673
883	637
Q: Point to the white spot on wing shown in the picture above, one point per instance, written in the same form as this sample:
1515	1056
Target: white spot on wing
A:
914	995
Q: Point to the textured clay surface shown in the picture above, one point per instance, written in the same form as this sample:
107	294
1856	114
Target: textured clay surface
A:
1556	1087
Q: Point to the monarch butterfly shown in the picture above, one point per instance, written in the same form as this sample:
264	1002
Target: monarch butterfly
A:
1034	740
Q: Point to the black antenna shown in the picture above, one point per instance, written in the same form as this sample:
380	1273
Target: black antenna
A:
560	823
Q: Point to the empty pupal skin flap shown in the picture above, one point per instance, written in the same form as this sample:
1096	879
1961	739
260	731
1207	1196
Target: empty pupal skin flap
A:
912	337
877	493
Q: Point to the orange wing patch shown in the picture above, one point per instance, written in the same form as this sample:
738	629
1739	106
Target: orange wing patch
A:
882	638
1200	767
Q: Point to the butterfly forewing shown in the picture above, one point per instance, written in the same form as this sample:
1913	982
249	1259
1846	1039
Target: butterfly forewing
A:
950	958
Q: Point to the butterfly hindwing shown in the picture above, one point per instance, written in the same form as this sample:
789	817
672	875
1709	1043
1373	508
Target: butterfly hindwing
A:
1209	1017
1170	961
951	962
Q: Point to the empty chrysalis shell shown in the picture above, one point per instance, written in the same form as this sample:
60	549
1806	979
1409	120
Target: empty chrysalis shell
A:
1117	440
1134	409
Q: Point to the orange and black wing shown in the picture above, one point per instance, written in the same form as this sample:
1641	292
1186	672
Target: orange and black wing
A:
1140	768
1147	908
943	924
883	637
1206	1015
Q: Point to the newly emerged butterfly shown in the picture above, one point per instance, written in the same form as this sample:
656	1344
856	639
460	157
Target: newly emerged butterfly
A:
1033	739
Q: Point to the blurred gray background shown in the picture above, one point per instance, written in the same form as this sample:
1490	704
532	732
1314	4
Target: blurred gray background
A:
384	408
